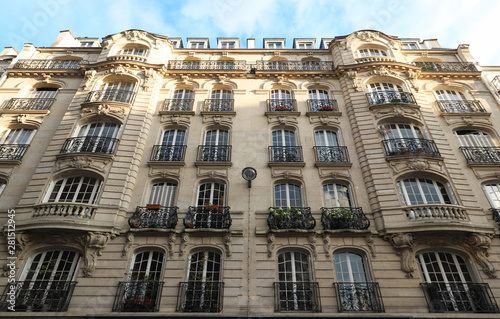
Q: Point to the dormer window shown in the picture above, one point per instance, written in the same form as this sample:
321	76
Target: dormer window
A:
274	45
86	43
305	45
228	45
362	53
410	46
197	45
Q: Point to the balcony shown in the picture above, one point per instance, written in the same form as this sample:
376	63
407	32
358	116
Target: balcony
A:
410	146
185	105
214	153
435	212
496	214
331	154
390	96
67	210
459	297
481	155
154	216
285	154
38	296
200	296
219	105
48	64
168	153
208	217
138	296
294	66
358	297
322	105
122	96
297	296
447	66
342	218
290	218
282	105
12	152
90	144
460	106
228	65
28	104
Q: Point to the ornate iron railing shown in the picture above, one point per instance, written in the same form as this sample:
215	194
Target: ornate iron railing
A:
281	105
435	211
447	66
285	154
138	296
359	296
410	146
496	214
459	297
334	218
390	96
168	153
237	65
331	154
68	210
12	151
460	106
481	154
177	105
123	96
294	66
28	104
214	153
154	216
90	144
290	218
37	296
322	105
219	105
49	64
214	217
200	296
297	296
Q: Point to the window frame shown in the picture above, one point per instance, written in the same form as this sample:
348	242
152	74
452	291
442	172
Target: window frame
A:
211	199
94	197
288	189
164	195
326	189
371	52
403	192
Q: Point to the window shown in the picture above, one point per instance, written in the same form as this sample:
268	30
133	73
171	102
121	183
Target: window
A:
420	191
220	99
95	137
451	101
172	146
116	91
318	94
319	100
183	94
14	143
163	193
86	44
228	45
474	138
406	139
410	46
274	45
284	147
216	147
182	100
296	290
281	94
398	131
288	195
327	147
44	93
211	193
305	45
221	94
337	195
77	189
197	45
371	52
380	93
133	51
493	192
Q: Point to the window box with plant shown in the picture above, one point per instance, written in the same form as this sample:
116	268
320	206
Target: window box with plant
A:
290	218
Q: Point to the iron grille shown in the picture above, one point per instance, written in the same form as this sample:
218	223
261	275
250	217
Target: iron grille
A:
219	105
358	296
178	105
410	146
154	217
460	106
281	105
285	154
214	153
138	296
322	105
168	153
344	218
123	96
90	144
475	155
215	217
12	152
290	218
331	154
200	296
29	104
297	296
447	66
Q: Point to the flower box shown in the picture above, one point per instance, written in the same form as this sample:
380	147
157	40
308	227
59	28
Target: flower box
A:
153	207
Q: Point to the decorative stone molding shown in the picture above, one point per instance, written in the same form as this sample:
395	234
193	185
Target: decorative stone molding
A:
334	174
129	241
135	35
184	242
212	172
227	244
218	120
486	172
355	81
286	174
103	109
412	78
478	245
367	36
282	120
326	244
396	111
403	243
149	79
176	119
312	243
164	173
270	244
469	120
400	165
89	77
370	244
327	120
382	71
170	244
93	243
97	162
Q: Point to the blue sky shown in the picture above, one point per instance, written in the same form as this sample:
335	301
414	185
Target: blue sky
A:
452	22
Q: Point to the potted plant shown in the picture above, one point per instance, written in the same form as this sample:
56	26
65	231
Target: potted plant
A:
211	206
341	217
153	206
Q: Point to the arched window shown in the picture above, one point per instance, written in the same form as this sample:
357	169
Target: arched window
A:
132	51
284	146
319	100
328	148
171	147
117	91
451	101
384	92
94	137
406	139
288	195
182	100
15	142
478	146
337	195
281	100
368	52
211	193
474	138
220	100
216	146
163	193
420	191
78	189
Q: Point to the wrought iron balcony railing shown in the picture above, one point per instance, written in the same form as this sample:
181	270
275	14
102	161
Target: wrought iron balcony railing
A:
390	96
200	296
12	152
282	105
435	211
322	105
290	218
214	153
154	216
168	153
37	296
177	105
123	96
496	214
285	154
74	210
294	66
359	296
208	217
219	105
138	296
459	297
478	155
410	146
460	106
90	144
237	65
297	296
447	66
48	64
331	154
335	218
29	104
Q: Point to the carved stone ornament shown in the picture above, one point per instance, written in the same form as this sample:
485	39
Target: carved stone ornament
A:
367	36
353	77
467	120
286	174
89	76
383	71
312	243
418	164
94	243
270	244
135	35
218	120
446	80
212	173
184	79
403	243
21	118
282	120
334	174
149	79
103	109
129	241
81	162
324	120
397	111
46	78
412	77
326	244
370	244
478	245
164	173
184	242
221	79
119	70
176	119
170	244
227	244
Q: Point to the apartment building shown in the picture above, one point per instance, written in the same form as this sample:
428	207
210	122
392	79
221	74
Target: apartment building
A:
142	175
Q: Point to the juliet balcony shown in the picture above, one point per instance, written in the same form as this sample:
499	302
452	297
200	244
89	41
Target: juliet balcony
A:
331	154
214	153
294	66
344	218
460	106
168	153
447	66
285	154
322	105
481	155
200	296
154	217
12	152
299	296
290	218
122	96
219	105
229	65
358	297
282	105
90	144
390	96
138	296
208	217
410	146
179	105
29	104
48	64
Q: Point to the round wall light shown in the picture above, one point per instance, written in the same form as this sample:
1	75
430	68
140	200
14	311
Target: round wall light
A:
249	174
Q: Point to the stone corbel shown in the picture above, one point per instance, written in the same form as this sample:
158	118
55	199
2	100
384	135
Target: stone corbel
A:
478	245
129	241
184	242
176	119
89	76
312	243
370	244
103	109
149	78
170	244
403	243
227	244
270	244
326	244
211	173
218	120
94	243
